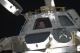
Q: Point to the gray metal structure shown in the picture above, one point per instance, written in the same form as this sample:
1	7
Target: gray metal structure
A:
61	34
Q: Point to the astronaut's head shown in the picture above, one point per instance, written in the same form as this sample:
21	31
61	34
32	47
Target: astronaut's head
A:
41	25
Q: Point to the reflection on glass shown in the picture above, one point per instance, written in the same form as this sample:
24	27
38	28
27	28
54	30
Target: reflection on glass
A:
64	20
62	36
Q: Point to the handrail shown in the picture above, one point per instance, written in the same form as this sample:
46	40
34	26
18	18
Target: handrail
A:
45	10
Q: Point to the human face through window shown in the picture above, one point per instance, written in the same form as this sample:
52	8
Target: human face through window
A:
41	25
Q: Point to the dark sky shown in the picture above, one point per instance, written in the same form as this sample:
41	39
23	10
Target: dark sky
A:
10	25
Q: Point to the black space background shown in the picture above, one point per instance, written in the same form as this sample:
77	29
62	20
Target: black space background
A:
10	25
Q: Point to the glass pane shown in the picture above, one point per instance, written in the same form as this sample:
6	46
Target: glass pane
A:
36	38
64	20
62	36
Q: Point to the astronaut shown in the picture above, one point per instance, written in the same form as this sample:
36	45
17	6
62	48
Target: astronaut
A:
41	25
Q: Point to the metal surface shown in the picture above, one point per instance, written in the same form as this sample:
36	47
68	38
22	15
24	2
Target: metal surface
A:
12	6
50	3
64	50
4	42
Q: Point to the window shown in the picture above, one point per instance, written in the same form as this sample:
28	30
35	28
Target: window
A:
64	20
41	23
36	38
62	35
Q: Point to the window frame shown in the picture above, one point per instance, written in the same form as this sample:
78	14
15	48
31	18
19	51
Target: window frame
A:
44	20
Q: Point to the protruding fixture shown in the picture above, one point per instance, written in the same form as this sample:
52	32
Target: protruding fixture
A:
12	6
49	3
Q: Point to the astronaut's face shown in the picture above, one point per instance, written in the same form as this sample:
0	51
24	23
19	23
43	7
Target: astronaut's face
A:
41	25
